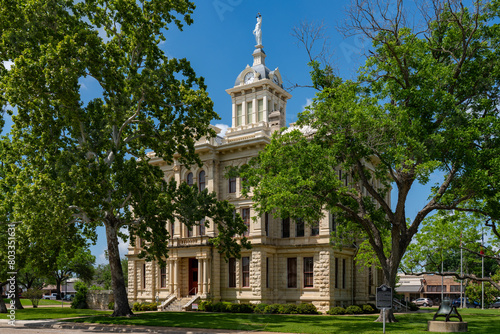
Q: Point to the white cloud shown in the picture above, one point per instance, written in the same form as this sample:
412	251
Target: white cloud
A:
223	128
308	103
8	64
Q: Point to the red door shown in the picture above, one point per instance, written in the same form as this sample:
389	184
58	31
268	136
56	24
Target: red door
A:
193	276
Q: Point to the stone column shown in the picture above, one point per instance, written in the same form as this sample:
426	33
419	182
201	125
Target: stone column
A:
266	112
200	273
171	288
176	277
205	277
255	108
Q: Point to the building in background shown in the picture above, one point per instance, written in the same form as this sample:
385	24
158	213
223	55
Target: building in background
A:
290	262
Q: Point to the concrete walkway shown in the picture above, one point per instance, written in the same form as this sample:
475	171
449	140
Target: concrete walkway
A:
55	324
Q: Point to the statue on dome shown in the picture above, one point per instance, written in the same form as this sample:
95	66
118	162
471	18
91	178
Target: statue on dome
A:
257	31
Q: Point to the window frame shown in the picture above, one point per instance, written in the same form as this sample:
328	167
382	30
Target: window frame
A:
163	277
291	271
300	230
232	272
245	215
201	181
190	179
232	185
308	269
245	272
285	227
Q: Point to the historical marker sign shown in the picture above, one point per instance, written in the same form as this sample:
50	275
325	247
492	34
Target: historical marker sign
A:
384	297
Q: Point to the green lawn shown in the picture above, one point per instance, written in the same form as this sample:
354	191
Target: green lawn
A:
27	302
52	313
487	321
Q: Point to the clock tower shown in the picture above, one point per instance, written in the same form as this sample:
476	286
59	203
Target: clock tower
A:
258	99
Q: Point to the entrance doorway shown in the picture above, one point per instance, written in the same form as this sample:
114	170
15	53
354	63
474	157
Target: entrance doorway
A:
193	276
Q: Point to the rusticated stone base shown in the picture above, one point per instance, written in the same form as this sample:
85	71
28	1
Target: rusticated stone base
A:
447	327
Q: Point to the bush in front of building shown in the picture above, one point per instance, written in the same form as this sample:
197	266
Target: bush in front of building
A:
145	307
307	308
260	308
273	309
367	309
337	310
221	307
288	309
353	309
206	306
241	308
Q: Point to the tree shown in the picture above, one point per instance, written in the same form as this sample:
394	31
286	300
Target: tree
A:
102	274
89	159
424	104
34	294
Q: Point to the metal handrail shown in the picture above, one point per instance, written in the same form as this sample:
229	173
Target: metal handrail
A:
195	291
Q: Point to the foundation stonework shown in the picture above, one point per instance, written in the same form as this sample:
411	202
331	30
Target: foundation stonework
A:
277	270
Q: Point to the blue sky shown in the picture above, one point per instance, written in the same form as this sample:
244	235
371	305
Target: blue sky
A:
220	43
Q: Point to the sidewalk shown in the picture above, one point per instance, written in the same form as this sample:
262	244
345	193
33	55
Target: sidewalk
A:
55	324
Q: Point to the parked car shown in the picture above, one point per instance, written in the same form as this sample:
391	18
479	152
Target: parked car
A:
69	297
496	304
52	296
468	304
423	302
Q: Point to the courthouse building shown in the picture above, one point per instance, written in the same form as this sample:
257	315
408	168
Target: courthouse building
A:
289	262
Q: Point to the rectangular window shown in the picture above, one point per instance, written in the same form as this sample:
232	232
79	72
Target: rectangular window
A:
239	115
454	288
266	223
331	222
245	215
249	112
232	185
292	272
308	272
144	276
202	227
299	227
343	273
232	272
267	272
315	229
163	277
285	228
336	273
245	271
370	280
260	106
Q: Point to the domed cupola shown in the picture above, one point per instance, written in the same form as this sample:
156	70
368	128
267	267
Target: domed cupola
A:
259	100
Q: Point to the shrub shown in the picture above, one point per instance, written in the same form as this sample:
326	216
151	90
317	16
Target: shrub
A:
95	287
353	309
272	309
206	306
367	309
145	307
413	307
34	295
288	309
306	308
80	300
111	305
260	308
222	307
241	308
337	310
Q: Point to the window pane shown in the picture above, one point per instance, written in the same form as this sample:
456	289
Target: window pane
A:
202	226
239	115
189	179
266	222
245	271
163	277
285	228
292	272
249	112
315	229
232	272
201	180
245	215
261	110
308	272
299	227
232	185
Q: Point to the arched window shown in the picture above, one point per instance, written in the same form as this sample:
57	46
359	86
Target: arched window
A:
189	179
232	185
201	181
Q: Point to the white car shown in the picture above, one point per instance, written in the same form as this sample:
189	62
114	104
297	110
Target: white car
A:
52	296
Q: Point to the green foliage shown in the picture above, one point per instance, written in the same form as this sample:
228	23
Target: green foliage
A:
95	287
111	305
288	309
474	293
221	307
367	309
241	308
205	306
353	309
144	307
273	309
260	308
80	300
306	308
34	295
337	310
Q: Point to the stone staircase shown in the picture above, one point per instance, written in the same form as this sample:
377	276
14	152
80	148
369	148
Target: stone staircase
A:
176	305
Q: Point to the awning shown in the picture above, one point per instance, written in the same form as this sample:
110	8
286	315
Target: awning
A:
409	288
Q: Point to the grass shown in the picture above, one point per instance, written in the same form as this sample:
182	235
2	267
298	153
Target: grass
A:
480	321
487	321
27	302
53	313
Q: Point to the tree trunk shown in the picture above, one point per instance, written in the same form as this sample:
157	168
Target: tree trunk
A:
58	289
17	302
3	307
390	282
122	307
389	316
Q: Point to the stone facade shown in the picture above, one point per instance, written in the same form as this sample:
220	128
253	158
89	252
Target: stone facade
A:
289	263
